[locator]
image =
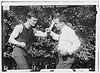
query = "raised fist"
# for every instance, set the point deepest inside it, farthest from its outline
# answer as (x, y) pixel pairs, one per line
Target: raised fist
(48, 30)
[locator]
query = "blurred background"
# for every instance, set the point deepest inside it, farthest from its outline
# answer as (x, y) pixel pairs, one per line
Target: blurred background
(43, 51)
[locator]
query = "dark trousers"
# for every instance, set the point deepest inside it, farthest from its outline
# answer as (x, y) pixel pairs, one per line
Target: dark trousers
(65, 62)
(21, 58)
(21, 62)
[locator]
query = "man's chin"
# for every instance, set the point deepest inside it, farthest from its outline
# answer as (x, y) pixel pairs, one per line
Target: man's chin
(32, 26)
(58, 29)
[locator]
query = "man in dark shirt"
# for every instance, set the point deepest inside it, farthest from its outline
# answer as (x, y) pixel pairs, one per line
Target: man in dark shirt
(20, 37)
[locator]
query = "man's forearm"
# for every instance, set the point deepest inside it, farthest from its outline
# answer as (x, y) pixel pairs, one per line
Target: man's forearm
(54, 35)
(13, 41)
(41, 34)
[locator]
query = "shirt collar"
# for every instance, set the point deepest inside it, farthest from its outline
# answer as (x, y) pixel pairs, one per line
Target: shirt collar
(64, 28)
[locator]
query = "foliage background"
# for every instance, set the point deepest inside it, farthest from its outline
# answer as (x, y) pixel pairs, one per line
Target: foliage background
(43, 51)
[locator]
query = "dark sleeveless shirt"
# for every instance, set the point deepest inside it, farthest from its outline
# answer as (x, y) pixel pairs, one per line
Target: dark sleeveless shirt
(25, 35)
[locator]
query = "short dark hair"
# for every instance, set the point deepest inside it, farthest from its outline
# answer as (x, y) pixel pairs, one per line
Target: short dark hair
(32, 14)
(62, 18)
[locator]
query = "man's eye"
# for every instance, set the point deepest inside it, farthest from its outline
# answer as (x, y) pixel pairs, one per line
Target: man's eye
(34, 20)
(55, 23)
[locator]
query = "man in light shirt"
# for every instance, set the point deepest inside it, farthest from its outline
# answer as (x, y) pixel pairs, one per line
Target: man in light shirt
(68, 42)
(21, 37)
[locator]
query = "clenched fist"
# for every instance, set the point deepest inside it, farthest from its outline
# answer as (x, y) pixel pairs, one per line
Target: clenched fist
(23, 44)
(48, 30)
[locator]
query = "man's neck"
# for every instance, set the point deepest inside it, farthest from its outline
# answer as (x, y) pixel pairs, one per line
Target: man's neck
(62, 27)
(27, 25)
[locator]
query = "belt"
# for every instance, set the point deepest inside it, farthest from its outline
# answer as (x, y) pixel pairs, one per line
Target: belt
(25, 48)
(64, 57)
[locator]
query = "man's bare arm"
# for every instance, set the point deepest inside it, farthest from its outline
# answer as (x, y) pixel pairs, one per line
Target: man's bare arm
(39, 33)
(14, 34)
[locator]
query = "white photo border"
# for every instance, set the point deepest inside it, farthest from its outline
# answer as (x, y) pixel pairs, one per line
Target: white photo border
(69, 2)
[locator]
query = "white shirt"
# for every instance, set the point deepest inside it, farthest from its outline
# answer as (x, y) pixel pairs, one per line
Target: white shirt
(68, 41)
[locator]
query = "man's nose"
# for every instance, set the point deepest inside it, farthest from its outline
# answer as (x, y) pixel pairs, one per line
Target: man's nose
(55, 25)
(35, 22)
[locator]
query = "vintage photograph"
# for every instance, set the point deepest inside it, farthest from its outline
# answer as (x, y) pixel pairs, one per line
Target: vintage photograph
(40, 37)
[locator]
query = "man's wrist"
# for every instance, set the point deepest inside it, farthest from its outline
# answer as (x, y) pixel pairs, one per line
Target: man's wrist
(48, 33)
(51, 33)
(18, 44)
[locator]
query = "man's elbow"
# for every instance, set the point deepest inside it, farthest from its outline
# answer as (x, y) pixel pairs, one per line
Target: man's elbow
(10, 40)
(77, 43)
(55, 38)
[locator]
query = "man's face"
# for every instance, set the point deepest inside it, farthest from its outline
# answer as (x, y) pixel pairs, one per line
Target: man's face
(32, 21)
(58, 24)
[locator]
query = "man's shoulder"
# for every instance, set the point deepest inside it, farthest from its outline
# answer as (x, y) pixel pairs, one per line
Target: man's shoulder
(19, 26)
(66, 29)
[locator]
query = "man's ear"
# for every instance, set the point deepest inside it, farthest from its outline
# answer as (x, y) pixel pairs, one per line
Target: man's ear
(62, 23)
(28, 19)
